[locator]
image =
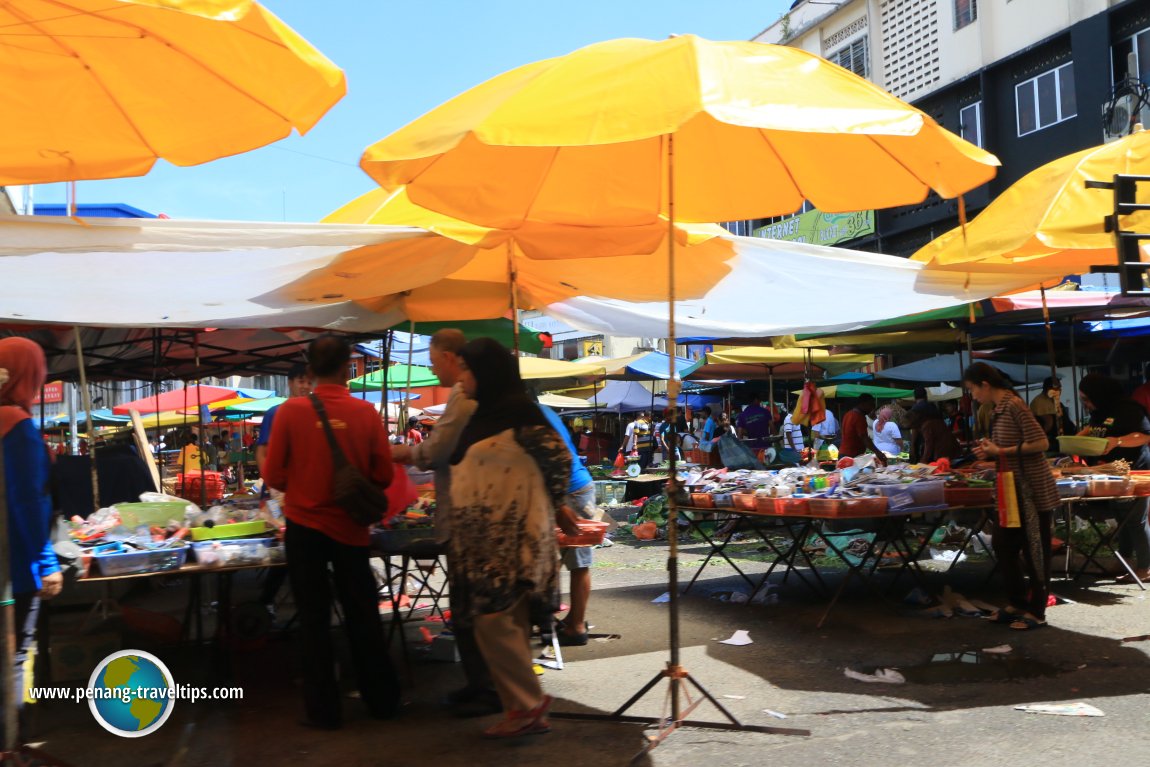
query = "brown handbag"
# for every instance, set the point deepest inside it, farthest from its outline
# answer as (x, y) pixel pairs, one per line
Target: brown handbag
(356, 494)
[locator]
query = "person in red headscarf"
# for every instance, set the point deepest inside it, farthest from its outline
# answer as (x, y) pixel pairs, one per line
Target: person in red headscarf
(33, 568)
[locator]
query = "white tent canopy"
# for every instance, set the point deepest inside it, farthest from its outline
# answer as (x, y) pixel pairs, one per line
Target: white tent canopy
(778, 288)
(154, 273)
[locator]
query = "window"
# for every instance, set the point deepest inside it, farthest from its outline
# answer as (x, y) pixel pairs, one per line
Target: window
(1139, 46)
(853, 57)
(970, 123)
(965, 12)
(1045, 100)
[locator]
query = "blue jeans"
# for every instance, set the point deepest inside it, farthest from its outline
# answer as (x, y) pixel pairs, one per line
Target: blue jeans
(1134, 533)
(27, 611)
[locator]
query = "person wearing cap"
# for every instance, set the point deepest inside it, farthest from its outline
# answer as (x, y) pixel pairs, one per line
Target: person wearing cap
(1047, 408)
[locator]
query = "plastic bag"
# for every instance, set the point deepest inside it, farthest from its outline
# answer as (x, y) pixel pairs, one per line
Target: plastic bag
(737, 455)
(401, 493)
(645, 531)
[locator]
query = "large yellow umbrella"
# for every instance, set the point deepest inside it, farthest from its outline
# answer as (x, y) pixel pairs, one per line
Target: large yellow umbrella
(583, 139)
(631, 132)
(1048, 223)
(103, 88)
(531, 266)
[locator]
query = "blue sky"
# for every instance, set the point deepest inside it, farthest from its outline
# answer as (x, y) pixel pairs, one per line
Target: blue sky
(401, 59)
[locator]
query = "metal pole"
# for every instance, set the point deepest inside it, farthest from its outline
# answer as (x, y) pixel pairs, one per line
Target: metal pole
(1074, 377)
(513, 279)
(87, 401)
(1049, 335)
(674, 670)
(7, 615)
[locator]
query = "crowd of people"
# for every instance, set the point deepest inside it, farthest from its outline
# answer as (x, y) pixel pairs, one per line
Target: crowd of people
(504, 560)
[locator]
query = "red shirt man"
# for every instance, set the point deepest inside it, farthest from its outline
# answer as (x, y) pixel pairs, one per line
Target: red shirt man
(299, 459)
(856, 437)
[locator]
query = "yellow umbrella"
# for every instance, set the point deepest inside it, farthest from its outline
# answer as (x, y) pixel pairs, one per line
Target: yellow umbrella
(631, 132)
(582, 140)
(102, 88)
(547, 262)
(767, 355)
(1048, 223)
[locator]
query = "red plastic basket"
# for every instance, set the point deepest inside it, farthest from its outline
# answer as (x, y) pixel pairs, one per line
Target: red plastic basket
(744, 501)
(590, 534)
(188, 485)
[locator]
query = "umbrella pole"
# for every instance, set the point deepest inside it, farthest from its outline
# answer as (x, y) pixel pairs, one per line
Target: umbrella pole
(513, 281)
(674, 672)
(386, 409)
(87, 401)
(1074, 377)
(407, 392)
(1049, 345)
(7, 617)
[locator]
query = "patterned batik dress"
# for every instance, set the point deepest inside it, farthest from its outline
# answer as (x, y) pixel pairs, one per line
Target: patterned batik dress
(504, 494)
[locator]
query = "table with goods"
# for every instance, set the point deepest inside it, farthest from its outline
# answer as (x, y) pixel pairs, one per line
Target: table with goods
(884, 519)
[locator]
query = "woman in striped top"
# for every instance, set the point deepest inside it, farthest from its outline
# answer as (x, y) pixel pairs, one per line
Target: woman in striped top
(1018, 442)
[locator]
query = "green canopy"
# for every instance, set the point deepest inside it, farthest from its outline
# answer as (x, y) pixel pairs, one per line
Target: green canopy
(851, 391)
(255, 407)
(397, 378)
(502, 330)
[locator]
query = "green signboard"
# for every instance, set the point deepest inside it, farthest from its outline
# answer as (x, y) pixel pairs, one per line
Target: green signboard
(820, 228)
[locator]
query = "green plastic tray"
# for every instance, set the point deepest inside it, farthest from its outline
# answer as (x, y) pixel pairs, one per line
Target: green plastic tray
(237, 530)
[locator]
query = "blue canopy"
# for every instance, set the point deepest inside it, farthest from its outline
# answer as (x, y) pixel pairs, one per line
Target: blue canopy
(650, 366)
(854, 377)
(949, 367)
(626, 397)
(102, 417)
(377, 396)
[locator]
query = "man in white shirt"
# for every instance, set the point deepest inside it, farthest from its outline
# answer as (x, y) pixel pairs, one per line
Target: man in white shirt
(792, 434)
(478, 697)
(825, 431)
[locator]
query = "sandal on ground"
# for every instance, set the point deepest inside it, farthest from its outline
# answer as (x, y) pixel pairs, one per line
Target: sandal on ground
(1027, 623)
(1142, 575)
(516, 724)
(1004, 616)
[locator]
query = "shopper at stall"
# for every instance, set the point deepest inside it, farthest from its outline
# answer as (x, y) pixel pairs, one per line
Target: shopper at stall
(577, 559)
(191, 457)
(1047, 408)
(325, 547)
(642, 439)
(825, 432)
(856, 435)
(754, 423)
(1126, 428)
(413, 436)
(477, 697)
(300, 384)
(887, 436)
(938, 439)
(32, 567)
(503, 545)
(1017, 442)
(793, 438)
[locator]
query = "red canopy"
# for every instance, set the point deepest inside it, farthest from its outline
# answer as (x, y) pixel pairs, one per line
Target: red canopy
(190, 397)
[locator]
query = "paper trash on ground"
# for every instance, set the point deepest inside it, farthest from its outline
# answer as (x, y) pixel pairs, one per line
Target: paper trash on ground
(775, 714)
(662, 598)
(738, 639)
(883, 675)
(1061, 709)
(1001, 649)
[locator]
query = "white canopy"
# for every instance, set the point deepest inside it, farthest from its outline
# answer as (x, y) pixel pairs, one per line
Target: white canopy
(151, 273)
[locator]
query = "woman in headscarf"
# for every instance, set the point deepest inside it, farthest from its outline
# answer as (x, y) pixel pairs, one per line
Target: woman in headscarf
(1017, 442)
(887, 436)
(510, 474)
(34, 570)
(1126, 428)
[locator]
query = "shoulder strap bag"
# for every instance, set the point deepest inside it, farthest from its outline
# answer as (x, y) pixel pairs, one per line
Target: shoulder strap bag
(364, 502)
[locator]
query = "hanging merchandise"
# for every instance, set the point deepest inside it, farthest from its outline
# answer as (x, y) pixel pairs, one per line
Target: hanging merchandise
(812, 407)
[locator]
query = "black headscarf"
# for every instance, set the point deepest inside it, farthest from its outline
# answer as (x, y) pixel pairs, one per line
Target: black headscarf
(501, 398)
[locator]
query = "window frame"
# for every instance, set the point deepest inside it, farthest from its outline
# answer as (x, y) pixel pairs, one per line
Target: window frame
(972, 14)
(977, 106)
(862, 40)
(1031, 84)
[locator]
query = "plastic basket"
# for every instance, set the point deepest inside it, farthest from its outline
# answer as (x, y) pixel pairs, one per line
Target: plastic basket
(395, 540)
(969, 496)
(189, 485)
(744, 502)
(133, 515)
(131, 562)
(591, 533)
(1107, 487)
(912, 494)
(702, 500)
(247, 551)
(1089, 446)
(791, 506)
(236, 530)
(1071, 488)
(848, 507)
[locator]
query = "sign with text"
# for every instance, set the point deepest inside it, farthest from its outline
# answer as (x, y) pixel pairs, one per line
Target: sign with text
(818, 228)
(53, 394)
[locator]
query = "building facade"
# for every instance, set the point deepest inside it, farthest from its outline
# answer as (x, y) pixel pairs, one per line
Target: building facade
(1028, 80)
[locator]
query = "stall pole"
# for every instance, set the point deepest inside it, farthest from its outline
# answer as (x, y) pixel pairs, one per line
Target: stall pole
(1074, 377)
(159, 457)
(513, 281)
(7, 616)
(675, 673)
(87, 401)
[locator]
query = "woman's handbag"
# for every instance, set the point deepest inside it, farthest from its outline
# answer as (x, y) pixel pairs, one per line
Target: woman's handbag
(356, 494)
(1008, 509)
